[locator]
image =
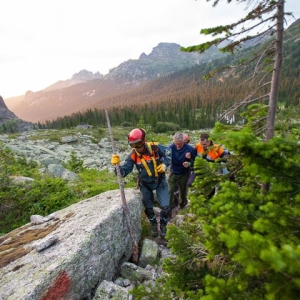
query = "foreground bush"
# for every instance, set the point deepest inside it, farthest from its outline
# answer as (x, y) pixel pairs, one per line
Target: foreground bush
(244, 242)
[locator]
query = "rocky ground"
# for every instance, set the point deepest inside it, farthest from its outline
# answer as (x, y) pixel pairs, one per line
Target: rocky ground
(51, 155)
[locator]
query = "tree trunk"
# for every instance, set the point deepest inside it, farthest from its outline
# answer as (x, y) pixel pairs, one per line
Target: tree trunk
(276, 71)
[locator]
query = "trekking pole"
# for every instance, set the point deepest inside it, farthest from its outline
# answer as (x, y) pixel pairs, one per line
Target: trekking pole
(124, 204)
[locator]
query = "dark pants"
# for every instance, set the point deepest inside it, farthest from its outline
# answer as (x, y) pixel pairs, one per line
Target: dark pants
(179, 180)
(162, 194)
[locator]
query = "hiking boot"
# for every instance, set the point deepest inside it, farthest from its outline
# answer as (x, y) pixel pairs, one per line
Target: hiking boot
(176, 199)
(163, 230)
(173, 204)
(183, 204)
(154, 231)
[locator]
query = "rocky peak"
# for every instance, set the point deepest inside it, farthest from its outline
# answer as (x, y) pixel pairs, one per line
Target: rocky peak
(11, 121)
(165, 48)
(80, 77)
(143, 56)
(5, 113)
(164, 59)
(2, 103)
(85, 75)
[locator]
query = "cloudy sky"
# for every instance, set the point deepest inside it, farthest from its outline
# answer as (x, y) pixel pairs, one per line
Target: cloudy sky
(44, 41)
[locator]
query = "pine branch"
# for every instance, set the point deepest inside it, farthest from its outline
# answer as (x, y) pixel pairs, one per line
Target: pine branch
(247, 100)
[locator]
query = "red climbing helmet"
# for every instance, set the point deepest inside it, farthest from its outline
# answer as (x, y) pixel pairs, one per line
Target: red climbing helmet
(186, 138)
(136, 137)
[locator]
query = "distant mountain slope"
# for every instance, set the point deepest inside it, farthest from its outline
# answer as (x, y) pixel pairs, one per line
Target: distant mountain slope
(48, 105)
(80, 77)
(9, 122)
(65, 97)
(165, 58)
(188, 84)
(5, 113)
(161, 75)
(13, 102)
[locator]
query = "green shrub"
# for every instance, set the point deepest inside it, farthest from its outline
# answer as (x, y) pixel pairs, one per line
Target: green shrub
(94, 182)
(74, 164)
(42, 196)
(243, 243)
(126, 124)
(165, 127)
(45, 194)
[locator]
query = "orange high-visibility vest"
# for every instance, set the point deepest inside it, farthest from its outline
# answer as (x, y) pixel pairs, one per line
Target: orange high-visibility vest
(213, 152)
(144, 159)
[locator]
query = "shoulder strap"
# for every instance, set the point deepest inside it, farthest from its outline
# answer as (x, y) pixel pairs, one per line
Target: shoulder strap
(150, 148)
(148, 145)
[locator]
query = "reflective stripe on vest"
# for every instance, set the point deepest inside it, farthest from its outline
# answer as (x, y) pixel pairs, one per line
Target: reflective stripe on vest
(213, 152)
(145, 163)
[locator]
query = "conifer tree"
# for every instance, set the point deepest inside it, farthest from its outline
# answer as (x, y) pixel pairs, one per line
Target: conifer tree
(241, 243)
(269, 13)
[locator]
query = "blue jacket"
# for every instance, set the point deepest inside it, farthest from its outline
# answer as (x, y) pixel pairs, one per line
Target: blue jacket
(161, 153)
(178, 158)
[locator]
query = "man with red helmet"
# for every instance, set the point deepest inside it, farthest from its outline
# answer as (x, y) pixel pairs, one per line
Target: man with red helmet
(186, 138)
(151, 161)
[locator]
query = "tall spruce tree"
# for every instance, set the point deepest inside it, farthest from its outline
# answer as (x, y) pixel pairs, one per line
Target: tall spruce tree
(241, 243)
(265, 18)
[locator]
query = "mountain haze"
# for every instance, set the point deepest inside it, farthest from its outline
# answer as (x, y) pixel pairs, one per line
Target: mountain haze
(81, 77)
(87, 90)
(166, 74)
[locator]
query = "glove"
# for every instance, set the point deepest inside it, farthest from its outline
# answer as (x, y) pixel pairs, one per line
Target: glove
(161, 168)
(115, 159)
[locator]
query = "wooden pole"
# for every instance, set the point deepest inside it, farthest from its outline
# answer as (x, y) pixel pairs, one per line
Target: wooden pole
(123, 198)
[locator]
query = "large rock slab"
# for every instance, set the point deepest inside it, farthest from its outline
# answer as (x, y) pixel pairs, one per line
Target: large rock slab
(88, 241)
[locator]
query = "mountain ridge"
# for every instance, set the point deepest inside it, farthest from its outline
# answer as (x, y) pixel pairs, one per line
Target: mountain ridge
(123, 84)
(73, 95)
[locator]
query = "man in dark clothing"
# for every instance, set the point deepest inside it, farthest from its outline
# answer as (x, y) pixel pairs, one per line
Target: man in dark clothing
(151, 161)
(176, 193)
(183, 156)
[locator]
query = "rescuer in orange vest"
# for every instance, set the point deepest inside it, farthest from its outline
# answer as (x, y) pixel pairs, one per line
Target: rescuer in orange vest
(151, 161)
(209, 151)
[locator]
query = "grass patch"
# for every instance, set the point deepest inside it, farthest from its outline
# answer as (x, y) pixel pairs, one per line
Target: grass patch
(46, 194)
